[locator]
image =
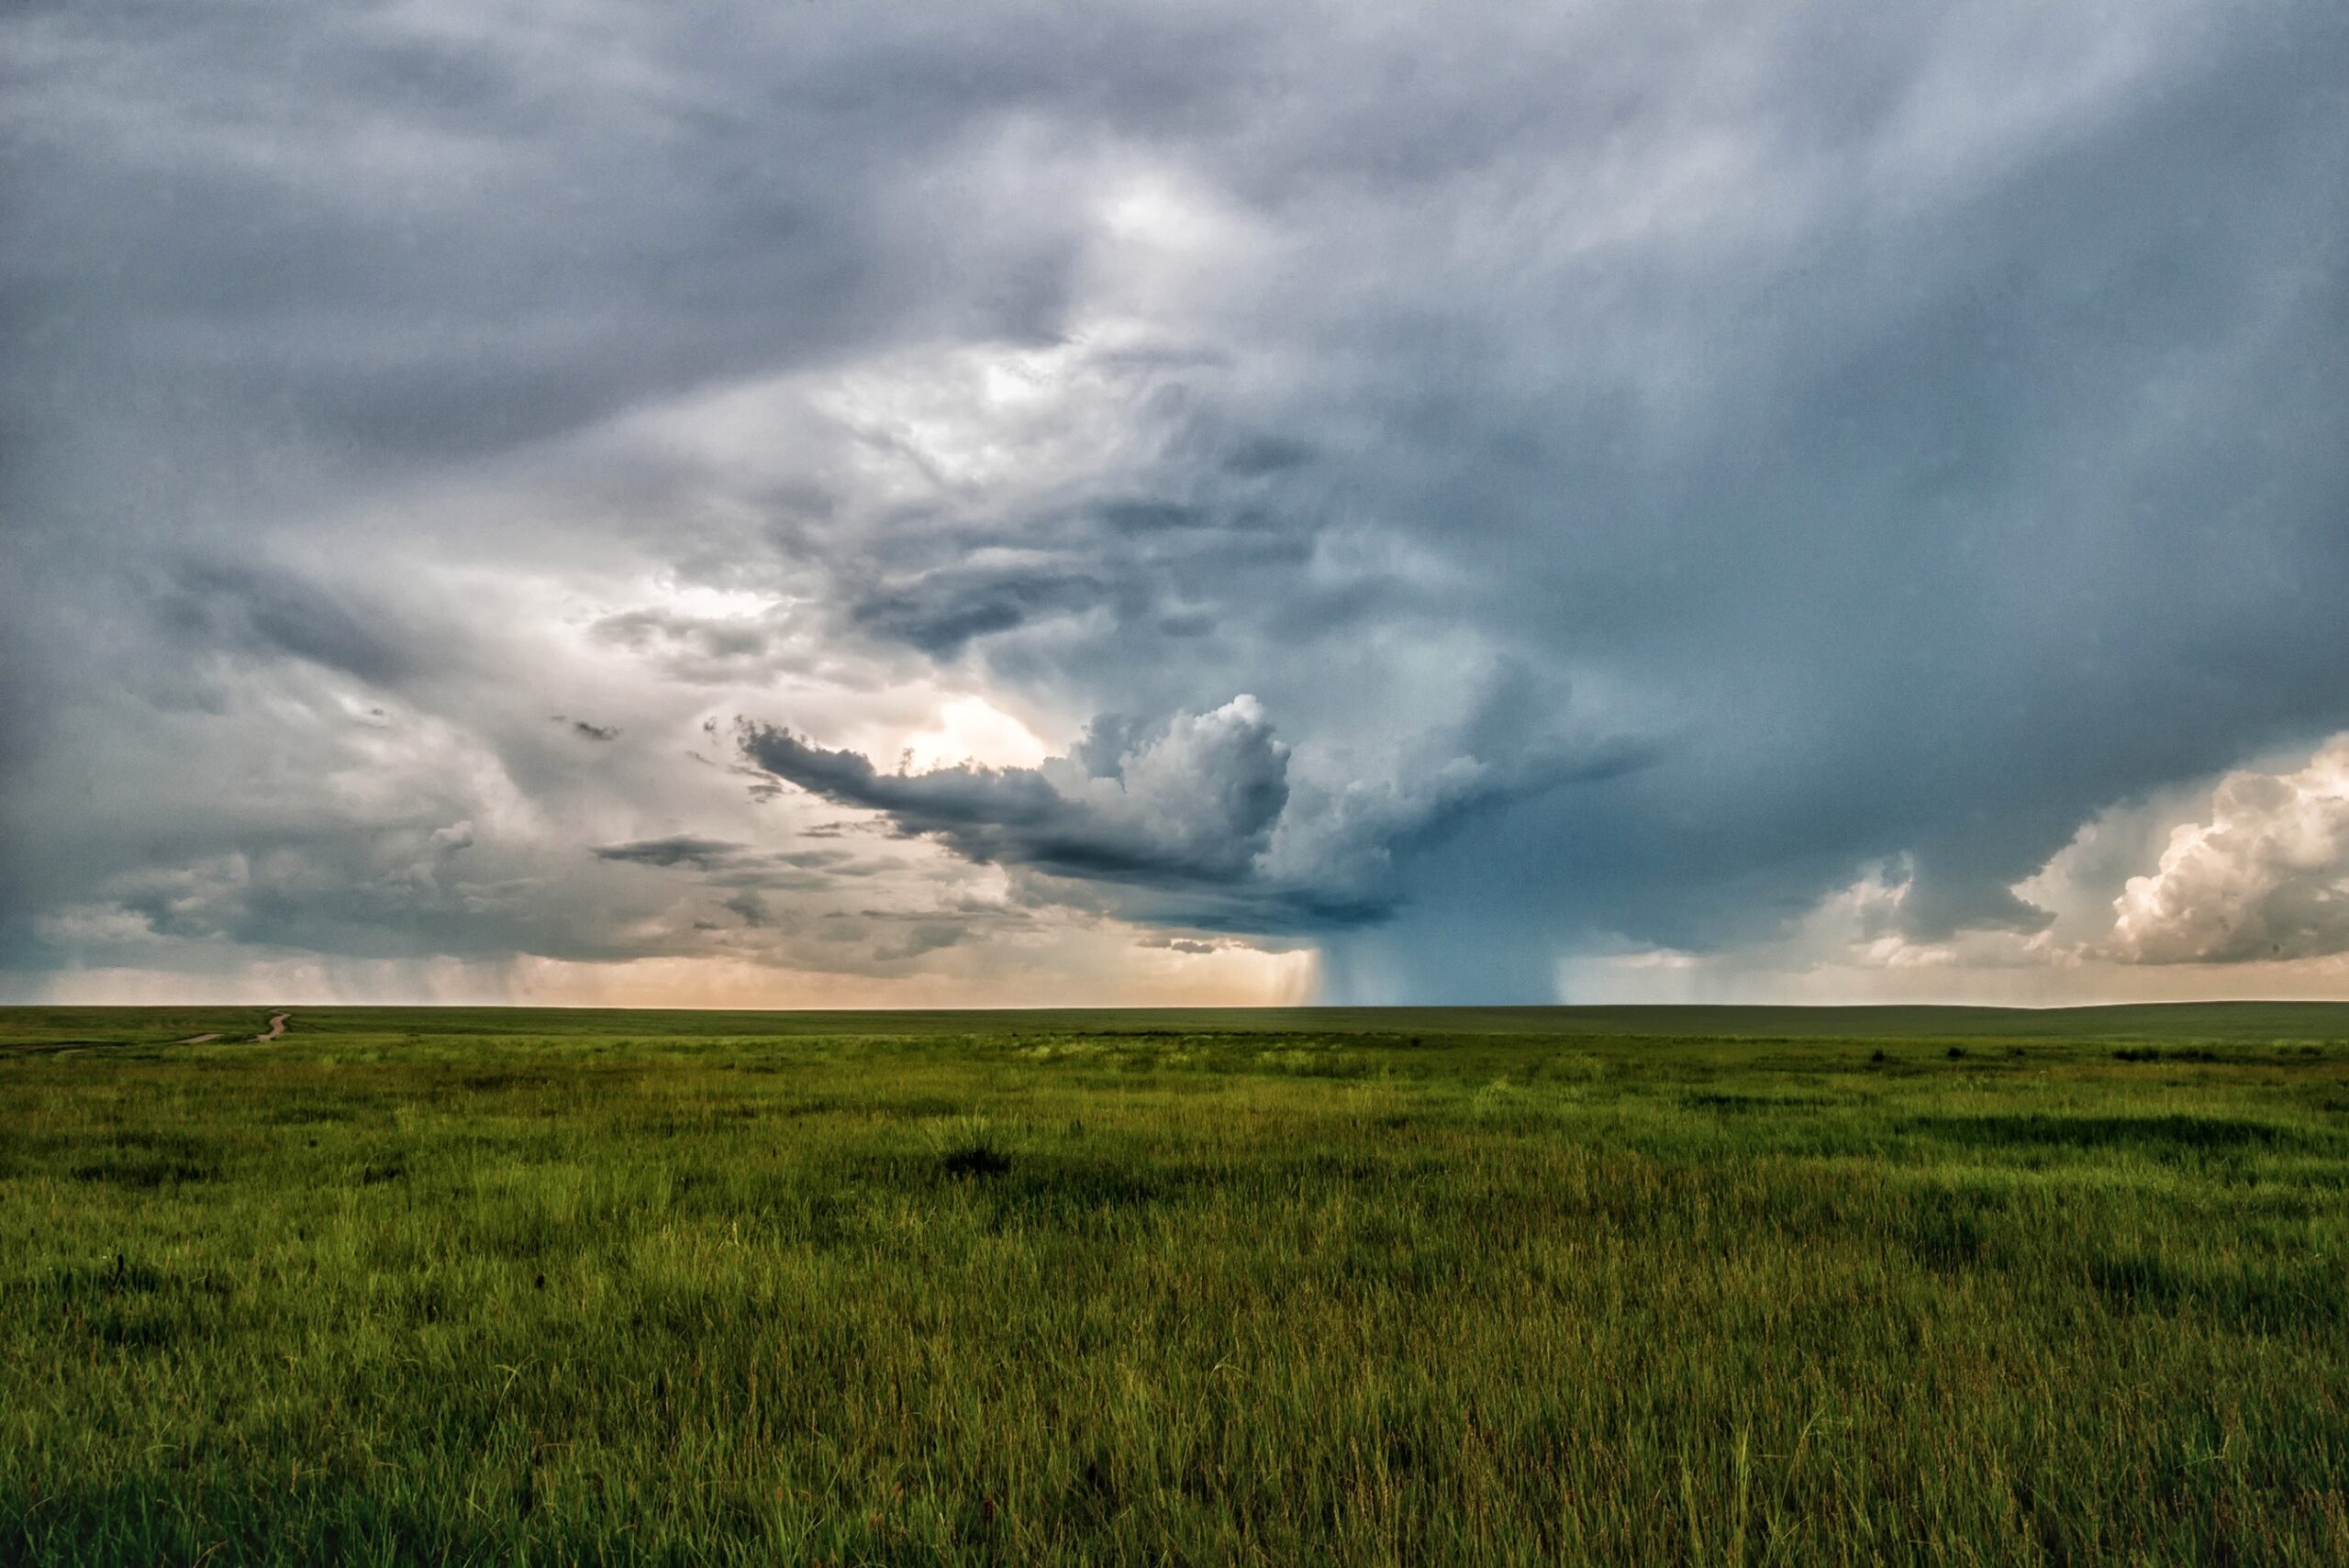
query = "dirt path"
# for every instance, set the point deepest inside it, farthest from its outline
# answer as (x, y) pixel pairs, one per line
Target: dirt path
(67, 1047)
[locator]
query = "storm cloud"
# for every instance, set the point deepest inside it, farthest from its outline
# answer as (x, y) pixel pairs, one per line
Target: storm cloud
(1199, 809)
(1680, 486)
(1196, 802)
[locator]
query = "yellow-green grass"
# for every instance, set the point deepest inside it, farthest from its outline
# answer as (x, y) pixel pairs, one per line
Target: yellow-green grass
(1508, 1286)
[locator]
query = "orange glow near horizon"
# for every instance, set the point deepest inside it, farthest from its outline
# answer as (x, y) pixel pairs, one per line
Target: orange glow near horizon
(1228, 975)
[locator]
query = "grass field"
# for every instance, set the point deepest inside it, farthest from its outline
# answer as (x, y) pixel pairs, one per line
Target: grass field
(1670, 1285)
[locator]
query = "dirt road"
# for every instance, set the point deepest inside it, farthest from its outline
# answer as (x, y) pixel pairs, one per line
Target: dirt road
(276, 1026)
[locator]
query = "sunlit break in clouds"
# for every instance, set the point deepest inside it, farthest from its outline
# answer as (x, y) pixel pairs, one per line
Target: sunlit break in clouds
(842, 505)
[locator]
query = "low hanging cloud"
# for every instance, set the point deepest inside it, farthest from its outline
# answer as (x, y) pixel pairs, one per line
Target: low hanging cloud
(1194, 802)
(680, 849)
(725, 864)
(1201, 810)
(2265, 875)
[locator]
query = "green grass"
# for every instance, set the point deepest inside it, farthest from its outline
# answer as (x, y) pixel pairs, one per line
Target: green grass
(1506, 1286)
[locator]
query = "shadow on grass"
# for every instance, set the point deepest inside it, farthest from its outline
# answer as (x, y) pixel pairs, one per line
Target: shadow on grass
(2256, 1296)
(1947, 1231)
(2151, 1134)
(1031, 1187)
(147, 1160)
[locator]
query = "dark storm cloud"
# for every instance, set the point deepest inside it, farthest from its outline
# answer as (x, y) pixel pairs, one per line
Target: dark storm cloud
(1181, 945)
(1198, 811)
(1196, 801)
(452, 232)
(1105, 562)
(750, 909)
(269, 613)
(682, 849)
(939, 612)
(695, 648)
(1655, 462)
(742, 866)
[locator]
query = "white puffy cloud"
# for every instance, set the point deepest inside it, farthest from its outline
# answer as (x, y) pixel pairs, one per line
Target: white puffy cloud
(2238, 886)
(2265, 874)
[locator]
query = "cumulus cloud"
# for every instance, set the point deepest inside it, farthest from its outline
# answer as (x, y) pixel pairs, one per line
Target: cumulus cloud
(2249, 872)
(2264, 875)
(1198, 808)
(1208, 811)
(1194, 802)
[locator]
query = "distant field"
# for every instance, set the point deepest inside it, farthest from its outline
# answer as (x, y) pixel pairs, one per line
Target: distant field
(1345, 1286)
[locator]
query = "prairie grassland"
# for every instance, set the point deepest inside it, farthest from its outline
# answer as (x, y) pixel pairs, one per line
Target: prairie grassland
(1669, 1285)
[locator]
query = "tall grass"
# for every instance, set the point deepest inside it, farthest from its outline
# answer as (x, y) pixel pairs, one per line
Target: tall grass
(409, 1288)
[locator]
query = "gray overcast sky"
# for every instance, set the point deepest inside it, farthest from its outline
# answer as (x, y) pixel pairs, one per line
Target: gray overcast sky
(857, 503)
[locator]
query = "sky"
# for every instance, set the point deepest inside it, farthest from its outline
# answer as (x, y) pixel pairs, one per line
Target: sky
(874, 504)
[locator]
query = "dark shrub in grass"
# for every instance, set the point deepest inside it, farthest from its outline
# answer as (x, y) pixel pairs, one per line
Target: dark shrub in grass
(975, 1159)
